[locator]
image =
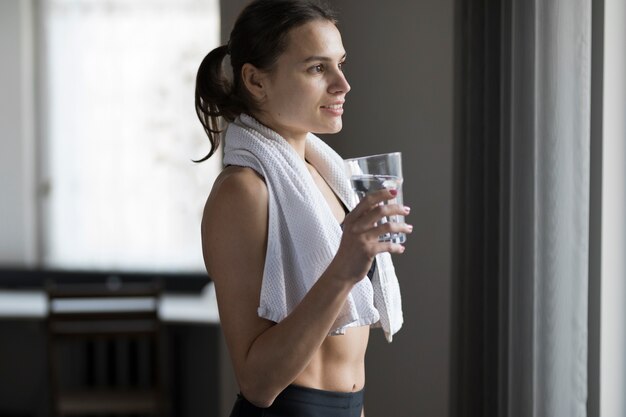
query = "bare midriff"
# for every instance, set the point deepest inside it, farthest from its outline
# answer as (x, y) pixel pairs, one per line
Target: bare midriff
(339, 364)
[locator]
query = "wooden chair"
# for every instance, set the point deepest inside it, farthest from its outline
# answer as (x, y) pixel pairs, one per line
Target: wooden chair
(105, 350)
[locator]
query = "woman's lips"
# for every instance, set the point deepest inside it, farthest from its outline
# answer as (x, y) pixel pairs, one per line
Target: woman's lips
(335, 109)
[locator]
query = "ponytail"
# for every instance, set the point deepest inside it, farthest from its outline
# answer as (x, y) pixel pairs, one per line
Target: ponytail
(215, 102)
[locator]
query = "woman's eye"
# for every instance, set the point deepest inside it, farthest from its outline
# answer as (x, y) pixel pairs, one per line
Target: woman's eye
(319, 68)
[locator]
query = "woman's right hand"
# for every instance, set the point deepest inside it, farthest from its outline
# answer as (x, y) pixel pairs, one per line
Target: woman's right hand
(361, 230)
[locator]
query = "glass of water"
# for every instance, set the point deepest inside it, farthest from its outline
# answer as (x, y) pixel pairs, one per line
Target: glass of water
(375, 172)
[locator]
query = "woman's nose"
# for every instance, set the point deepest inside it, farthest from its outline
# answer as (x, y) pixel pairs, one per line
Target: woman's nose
(339, 84)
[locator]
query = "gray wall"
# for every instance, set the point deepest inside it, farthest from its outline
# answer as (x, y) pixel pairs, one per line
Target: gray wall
(401, 71)
(400, 67)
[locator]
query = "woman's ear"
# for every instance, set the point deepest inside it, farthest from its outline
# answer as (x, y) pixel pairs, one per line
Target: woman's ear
(254, 80)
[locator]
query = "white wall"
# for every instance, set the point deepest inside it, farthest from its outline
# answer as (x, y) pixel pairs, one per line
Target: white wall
(18, 243)
(613, 263)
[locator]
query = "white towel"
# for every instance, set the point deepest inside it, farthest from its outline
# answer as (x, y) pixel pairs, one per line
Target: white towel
(303, 234)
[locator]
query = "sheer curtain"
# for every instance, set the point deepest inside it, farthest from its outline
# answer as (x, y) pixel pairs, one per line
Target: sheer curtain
(522, 259)
(547, 222)
(120, 131)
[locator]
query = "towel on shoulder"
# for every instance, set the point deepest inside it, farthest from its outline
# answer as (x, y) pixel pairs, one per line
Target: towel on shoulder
(303, 234)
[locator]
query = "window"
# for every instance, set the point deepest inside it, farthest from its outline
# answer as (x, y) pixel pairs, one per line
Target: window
(119, 132)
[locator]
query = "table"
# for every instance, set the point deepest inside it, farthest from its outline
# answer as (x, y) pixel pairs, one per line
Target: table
(174, 308)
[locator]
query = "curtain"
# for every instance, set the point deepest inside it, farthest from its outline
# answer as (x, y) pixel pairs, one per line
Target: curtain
(523, 208)
(548, 142)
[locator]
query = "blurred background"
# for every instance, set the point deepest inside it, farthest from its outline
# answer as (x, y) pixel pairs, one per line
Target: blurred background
(510, 118)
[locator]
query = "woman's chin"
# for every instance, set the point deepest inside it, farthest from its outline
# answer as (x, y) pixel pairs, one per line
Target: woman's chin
(331, 128)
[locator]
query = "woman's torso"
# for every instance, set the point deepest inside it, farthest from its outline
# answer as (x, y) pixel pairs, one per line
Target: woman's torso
(339, 364)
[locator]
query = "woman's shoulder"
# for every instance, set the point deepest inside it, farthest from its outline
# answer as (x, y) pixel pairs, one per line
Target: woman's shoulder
(238, 180)
(238, 192)
(235, 216)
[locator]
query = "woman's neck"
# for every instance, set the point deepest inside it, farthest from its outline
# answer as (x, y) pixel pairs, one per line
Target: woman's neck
(297, 142)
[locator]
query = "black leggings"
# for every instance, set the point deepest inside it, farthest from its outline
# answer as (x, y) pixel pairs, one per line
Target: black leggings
(304, 402)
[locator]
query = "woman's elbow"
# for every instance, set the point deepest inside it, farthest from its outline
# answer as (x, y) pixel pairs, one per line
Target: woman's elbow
(258, 394)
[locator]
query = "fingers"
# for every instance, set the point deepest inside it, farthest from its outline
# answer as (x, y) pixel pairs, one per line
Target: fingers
(371, 208)
(373, 199)
(378, 212)
(390, 247)
(390, 227)
(373, 231)
(387, 229)
(370, 220)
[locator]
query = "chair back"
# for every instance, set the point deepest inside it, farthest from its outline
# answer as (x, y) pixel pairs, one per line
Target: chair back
(115, 329)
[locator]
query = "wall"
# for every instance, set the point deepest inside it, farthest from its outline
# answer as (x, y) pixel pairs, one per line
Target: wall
(613, 228)
(17, 159)
(400, 66)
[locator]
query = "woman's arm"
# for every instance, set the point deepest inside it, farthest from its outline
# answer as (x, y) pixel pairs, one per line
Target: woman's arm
(268, 356)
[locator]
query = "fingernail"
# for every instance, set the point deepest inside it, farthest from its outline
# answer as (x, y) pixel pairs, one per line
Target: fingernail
(407, 209)
(393, 192)
(410, 226)
(402, 249)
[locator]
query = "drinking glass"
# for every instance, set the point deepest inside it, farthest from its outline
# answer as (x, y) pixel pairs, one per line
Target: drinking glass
(375, 172)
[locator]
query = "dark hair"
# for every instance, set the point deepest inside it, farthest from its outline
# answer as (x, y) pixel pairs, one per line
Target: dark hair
(259, 37)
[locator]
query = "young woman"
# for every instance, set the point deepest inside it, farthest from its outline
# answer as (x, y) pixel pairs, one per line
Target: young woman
(287, 249)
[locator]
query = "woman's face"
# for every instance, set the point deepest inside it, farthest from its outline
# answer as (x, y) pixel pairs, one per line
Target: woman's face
(307, 88)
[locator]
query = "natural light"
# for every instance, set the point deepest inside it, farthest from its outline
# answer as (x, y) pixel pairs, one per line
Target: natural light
(120, 132)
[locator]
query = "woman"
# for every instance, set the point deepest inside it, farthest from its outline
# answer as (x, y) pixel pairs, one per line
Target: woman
(289, 265)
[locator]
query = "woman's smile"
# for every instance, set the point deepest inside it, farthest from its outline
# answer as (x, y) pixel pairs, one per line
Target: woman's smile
(335, 109)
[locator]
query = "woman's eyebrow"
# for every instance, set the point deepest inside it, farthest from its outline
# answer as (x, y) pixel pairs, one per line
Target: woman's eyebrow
(321, 58)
